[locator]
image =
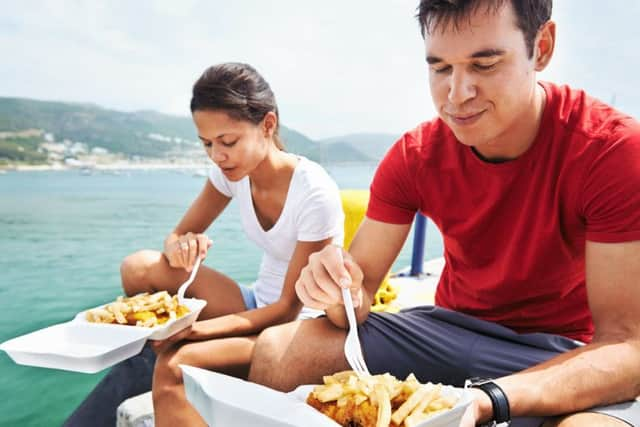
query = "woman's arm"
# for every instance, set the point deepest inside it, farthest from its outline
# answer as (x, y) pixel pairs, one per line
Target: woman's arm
(252, 322)
(202, 212)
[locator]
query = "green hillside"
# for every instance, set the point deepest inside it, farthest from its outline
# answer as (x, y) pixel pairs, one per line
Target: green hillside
(373, 146)
(119, 132)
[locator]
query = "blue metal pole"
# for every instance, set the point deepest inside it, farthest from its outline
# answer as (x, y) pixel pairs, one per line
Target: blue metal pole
(419, 233)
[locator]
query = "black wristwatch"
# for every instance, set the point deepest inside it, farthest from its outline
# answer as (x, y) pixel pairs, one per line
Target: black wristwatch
(499, 401)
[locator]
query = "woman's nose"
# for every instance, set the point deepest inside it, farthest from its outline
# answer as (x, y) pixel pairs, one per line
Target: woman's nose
(217, 156)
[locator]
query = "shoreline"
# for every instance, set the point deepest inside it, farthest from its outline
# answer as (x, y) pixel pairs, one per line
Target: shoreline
(129, 166)
(105, 167)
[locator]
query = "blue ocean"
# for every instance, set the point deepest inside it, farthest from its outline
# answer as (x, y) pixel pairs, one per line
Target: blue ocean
(63, 235)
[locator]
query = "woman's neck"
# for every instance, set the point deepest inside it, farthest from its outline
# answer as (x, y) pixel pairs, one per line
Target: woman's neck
(276, 168)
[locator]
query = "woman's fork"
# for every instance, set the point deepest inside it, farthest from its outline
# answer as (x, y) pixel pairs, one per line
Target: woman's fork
(183, 288)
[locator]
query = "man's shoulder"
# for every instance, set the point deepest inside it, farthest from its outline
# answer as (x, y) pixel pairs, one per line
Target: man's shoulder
(587, 116)
(425, 137)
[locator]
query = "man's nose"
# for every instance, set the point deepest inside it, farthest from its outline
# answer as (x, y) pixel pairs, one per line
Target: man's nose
(461, 87)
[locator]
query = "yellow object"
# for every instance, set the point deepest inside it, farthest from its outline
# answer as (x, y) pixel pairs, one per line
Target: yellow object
(354, 205)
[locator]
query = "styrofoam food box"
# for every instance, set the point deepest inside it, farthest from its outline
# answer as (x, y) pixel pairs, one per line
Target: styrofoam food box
(165, 330)
(81, 346)
(223, 400)
(76, 347)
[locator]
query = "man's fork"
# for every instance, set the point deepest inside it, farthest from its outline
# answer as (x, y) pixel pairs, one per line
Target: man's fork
(352, 349)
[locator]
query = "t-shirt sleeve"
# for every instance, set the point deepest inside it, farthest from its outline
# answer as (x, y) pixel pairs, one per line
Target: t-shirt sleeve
(392, 192)
(611, 197)
(219, 181)
(321, 216)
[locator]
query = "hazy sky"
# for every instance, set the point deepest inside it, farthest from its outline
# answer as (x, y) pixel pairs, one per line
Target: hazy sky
(336, 66)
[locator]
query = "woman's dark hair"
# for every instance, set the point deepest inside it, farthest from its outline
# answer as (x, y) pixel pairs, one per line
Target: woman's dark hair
(238, 90)
(531, 14)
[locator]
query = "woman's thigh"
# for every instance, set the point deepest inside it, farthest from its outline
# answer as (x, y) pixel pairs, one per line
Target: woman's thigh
(222, 293)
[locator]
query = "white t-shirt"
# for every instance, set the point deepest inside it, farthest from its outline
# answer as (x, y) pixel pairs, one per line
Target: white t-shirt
(312, 212)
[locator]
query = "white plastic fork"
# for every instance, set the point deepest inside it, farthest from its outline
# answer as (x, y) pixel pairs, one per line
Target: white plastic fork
(183, 288)
(352, 348)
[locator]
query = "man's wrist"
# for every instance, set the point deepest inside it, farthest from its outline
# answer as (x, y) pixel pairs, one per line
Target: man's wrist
(483, 403)
(494, 405)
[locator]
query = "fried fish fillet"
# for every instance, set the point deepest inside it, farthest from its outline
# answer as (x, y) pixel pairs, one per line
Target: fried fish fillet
(351, 414)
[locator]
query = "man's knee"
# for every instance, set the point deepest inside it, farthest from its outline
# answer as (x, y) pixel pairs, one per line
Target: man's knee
(134, 272)
(585, 419)
(267, 354)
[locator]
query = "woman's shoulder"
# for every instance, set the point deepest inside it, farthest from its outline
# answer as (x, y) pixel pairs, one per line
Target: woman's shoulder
(310, 176)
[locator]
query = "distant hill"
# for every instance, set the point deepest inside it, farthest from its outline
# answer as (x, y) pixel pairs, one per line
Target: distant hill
(116, 131)
(373, 146)
(148, 133)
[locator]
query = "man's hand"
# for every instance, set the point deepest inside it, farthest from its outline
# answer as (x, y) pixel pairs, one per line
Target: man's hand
(329, 271)
(478, 411)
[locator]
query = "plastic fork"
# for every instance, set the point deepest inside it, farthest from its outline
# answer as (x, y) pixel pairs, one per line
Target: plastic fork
(183, 288)
(352, 348)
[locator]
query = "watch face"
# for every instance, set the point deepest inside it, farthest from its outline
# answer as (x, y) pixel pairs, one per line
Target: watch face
(476, 381)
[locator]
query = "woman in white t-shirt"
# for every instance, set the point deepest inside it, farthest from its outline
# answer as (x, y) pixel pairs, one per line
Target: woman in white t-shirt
(289, 207)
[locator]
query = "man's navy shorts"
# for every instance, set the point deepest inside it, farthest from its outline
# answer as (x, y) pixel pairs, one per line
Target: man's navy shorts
(441, 345)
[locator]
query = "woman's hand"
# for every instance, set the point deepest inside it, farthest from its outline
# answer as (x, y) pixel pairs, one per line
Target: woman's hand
(200, 330)
(182, 251)
(159, 346)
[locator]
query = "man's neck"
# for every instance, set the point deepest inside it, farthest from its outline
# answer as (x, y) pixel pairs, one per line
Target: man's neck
(517, 139)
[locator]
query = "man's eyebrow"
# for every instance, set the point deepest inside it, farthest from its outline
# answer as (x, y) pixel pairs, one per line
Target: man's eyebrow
(488, 53)
(485, 53)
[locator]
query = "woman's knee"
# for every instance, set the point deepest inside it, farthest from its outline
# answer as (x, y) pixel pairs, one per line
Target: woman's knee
(167, 372)
(134, 271)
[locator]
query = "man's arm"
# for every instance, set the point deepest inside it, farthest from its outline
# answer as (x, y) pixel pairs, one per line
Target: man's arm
(372, 251)
(608, 369)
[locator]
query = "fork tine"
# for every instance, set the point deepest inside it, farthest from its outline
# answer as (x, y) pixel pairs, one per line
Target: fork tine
(362, 365)
(355, 360)
(352, 358)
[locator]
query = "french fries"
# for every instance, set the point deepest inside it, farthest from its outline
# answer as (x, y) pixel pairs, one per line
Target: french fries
(146, 310)
(378, 400)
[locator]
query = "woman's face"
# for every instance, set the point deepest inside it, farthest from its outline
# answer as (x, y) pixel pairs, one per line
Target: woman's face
(236, 146)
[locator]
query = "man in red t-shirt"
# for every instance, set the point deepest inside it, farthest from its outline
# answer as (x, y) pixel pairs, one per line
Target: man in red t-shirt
(535, 188)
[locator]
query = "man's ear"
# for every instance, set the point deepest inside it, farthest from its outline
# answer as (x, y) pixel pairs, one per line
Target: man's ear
(544, 45)
(269, 124)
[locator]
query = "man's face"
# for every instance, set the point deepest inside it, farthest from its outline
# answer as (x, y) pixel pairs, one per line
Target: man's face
(482, 80)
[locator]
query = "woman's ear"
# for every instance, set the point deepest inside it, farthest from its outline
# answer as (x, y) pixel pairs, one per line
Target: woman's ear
(544, 45)
(269, 124)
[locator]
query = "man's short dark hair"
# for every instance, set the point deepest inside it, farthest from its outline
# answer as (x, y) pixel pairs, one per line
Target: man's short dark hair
(531, 14)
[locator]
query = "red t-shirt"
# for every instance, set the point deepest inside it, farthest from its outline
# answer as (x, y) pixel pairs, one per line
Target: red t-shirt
(514, 232)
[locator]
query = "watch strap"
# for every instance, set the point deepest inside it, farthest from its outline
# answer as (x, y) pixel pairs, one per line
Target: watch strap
(499, 400)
